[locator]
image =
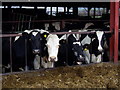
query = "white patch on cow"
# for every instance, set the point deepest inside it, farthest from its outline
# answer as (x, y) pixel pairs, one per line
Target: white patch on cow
(28, 31)
(42, 31)
(65, 36)
(52, 45)
(86, 40)
(36, 62)
(34, 33)
(77, 43)
(17, 37)
(99, 36)
(76, 36)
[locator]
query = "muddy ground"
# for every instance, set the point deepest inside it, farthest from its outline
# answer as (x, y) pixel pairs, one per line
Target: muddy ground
(102, 75)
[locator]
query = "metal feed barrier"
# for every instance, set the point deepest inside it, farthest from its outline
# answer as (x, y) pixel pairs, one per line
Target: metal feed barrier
(60, 33)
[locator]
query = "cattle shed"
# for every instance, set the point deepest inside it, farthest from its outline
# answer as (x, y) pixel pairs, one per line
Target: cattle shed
(15, 18)
(61, 18)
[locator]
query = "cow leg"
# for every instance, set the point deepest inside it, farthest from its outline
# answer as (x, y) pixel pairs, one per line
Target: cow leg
(43, 62)
(99, 58)
(87, 56)
(94, 58)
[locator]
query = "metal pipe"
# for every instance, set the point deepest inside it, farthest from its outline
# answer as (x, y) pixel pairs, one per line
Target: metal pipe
(19, 23)
(29, 22)
(11, 54)
(112, 22)
(25, 54)
(22, 22)
(116, 31)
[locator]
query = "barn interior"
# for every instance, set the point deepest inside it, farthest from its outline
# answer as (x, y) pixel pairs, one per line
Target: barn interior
(19, 16)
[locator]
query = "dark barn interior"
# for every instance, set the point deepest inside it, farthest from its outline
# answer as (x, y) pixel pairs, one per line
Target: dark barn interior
(19, 19)
(58, 18)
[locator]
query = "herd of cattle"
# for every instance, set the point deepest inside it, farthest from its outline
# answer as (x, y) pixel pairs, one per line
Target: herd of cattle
(39, 48)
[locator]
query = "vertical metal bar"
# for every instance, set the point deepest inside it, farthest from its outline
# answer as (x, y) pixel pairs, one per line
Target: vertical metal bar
(94, 12)
(11, 54)
(116, 31)
(22, 22)
(19, 22)
(66, 50)
(112, 15)
(29, 22)
(25, 54)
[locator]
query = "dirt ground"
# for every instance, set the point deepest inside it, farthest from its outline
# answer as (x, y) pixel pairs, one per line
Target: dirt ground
(102, 75)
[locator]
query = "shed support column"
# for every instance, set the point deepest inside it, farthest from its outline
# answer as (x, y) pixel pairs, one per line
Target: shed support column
(116, 31)
(114, 25)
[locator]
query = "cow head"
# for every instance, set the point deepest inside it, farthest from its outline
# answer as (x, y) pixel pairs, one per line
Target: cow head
(35, 41)
(52, 47)
(78, 52)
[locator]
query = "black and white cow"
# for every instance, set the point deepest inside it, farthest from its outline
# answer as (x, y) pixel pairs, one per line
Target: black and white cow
(23, 55)
(25, 48)
(70, 51)
(94, 46)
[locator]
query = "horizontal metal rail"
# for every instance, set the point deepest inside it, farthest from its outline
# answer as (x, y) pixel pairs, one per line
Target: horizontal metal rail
(87, 32)
(9, 35)
(66, 20)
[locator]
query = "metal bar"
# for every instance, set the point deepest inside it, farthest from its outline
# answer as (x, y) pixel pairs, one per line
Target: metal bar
(22, 22)
(13, 35)
(11, 54)
(19, 23)
(66, 20)
(25, 54)
(66, 51)
(29, 22)
(112, 22)
(10, 35)
(116, 31)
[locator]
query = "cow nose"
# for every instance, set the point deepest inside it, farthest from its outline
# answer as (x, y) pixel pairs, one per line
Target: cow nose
(52, 58)
(100, 49)
(81, 58)
(36, 51)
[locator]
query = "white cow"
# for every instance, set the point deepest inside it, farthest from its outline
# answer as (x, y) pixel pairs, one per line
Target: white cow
(52, 46)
